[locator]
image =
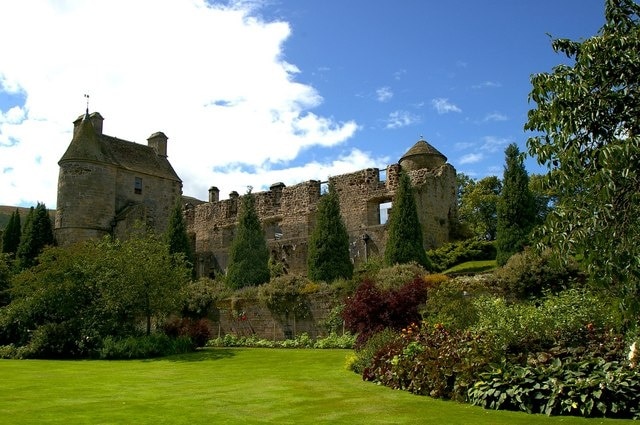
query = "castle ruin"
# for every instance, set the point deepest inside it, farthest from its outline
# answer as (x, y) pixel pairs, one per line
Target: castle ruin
(106, 184)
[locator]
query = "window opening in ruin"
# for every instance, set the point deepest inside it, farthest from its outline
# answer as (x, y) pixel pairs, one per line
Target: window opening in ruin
(137, 186)
(382, 175)
(324, 188)
(385, 209)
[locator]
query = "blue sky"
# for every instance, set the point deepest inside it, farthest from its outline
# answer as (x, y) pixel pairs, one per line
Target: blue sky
(255, 92)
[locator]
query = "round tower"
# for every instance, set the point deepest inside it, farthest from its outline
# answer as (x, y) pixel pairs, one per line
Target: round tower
(422, 155)
(86, 185)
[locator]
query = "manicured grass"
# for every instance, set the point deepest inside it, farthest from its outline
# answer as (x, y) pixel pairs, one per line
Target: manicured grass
(473, 267)
(224, 386)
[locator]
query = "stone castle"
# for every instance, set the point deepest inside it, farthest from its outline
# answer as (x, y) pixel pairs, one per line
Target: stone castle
(107, 184)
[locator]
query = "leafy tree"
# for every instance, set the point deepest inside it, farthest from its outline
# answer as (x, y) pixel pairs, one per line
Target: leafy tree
(248, 254)
(11, 234)
(587, 120)
(5, 276)
(177, 237)
(328, 256)
(404, 241)
(36, 234)
(142, 278)
(516, 207)
(477, 207)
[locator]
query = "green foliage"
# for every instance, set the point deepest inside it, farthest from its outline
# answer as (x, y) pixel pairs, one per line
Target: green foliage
(248, 254)
(6, 267)
(516, 207)
(453, 253)
(11, 234)
(328, 253)
(431, 360)
(450, 304)
(477, 205)
(565, 319)
(587, 125)
(76, 296)
(176, 234)
(333, 340)
(530, 274)
(404, 240)
(398, 275)
(590, 387)
(365, 354)
(37, 233)
(144, 347)
(200, 297)
(284, 296)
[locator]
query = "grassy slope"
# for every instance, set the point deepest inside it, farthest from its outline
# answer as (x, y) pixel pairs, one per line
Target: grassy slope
(224, 386)
(6, 211)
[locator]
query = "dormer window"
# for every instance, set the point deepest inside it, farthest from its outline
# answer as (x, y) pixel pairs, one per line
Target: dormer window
(137, 186)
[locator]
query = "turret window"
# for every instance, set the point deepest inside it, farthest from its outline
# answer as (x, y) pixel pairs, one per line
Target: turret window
(137, 186)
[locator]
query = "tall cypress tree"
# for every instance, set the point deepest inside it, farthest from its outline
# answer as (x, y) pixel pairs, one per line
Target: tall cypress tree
(248, 254)
(177, 237)
(516, 207)
(36, 234)
(404, 240)
(11, 235)
(328, 256)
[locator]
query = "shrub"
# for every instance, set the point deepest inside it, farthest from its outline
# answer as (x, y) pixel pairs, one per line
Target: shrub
(364, 355)
(394, 277)
(371, 309)
(529, 275)
(431, 360)
(198, 330)
(591, 387)
(450, 303)
(284, 296)
(564, 319)
(142, 347)
(453, 253)
(201, 296)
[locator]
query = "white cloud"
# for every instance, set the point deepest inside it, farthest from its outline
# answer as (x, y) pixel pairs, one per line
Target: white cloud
(213, 78)
(471, 158)
(383, 94)
(494, 144)
(398, 119)
(487, 84)
(494, 116)
(443, 106)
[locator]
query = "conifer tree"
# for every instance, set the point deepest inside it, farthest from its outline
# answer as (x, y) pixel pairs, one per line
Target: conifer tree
(11, 234)
(516, 207)
(328, 256)
(177, 237)
(36, 234)
(404, 241)
(248, 254)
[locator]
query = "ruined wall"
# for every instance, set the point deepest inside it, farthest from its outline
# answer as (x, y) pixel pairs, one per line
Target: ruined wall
(251, 318)
(288, 216)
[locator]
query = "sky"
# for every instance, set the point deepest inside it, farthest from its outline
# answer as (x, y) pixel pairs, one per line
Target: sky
(254, 92)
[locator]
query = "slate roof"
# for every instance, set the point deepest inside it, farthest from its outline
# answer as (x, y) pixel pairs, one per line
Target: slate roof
(422, 147)
(88, 145)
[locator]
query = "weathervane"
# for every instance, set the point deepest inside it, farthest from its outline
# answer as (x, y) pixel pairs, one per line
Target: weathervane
(86, 96)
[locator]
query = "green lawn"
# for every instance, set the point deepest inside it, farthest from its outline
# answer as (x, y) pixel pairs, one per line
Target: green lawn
(473, 267)
(224, 386)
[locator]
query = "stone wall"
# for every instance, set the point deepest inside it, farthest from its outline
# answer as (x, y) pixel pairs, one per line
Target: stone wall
(251, 318)
(288, 215)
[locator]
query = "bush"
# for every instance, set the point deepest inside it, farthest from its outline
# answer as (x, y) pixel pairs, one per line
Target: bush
(529, 275)
(198, 330)
(565, 319)
(285, 296)
(142, 347)
(431, 360)
(364, 355)
(396, 276)
(372, 309)
(450, 303)
(201, 296)
(450, 254)
(301, 341)
(591, 387)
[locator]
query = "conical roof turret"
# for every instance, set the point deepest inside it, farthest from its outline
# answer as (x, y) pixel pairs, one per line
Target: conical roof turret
(422, 155)
(86, 143)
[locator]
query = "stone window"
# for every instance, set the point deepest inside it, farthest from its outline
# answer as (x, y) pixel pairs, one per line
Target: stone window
(384, 209)
(137, 186)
